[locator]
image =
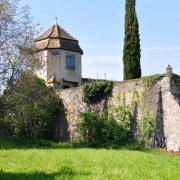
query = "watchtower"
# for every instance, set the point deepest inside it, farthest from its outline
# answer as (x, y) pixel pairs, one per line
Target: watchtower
(59, 56)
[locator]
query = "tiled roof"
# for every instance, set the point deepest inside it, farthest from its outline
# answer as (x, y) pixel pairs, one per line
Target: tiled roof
(57, 38)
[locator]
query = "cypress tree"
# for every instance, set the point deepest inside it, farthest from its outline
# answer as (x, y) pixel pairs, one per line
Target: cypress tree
(132, 51)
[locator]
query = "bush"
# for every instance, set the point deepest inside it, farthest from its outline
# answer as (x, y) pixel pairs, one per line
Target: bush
(95, 91)
(30, 108)
(102, 131)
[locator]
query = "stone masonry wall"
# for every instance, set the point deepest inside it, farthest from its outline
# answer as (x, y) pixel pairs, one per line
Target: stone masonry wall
(162, 100)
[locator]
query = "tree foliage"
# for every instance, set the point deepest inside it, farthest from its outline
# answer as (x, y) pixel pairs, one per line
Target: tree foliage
(132, 51)
(30, 107)
(17, 33)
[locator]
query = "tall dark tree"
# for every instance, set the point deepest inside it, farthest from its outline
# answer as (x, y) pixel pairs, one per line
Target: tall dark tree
(132, 51)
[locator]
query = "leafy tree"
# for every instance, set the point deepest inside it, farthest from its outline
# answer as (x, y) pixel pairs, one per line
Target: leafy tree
(32, 107)
(132, 51)
(17, 33)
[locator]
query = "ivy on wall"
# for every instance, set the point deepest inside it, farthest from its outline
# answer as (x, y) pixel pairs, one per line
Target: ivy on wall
(124, 113)
(95, 91)
(147, 128)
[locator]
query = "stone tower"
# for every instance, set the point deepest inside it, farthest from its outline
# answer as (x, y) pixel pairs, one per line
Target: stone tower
(59, 58)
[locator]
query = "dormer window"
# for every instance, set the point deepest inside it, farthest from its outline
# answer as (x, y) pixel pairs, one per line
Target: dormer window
(70, 61)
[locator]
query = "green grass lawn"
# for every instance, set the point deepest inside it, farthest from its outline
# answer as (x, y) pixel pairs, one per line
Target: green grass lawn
(63, 162)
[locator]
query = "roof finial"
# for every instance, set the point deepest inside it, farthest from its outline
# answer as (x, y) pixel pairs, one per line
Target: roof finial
(56, 19)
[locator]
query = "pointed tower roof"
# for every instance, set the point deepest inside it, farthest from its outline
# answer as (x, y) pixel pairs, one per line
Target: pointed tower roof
(57, 38)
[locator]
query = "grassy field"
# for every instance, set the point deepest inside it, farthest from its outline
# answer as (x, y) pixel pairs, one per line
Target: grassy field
(61, 161)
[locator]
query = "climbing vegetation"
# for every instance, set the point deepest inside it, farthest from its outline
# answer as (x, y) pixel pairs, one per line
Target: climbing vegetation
(122, 112)
(149, 81)
(147, 128)
(95, 91)
(111, 128)
(115, 126)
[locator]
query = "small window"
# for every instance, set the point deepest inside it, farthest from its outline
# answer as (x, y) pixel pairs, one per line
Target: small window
(70, 61)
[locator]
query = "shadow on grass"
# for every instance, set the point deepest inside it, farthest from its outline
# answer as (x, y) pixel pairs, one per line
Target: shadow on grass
(65, 172)
(21, 143)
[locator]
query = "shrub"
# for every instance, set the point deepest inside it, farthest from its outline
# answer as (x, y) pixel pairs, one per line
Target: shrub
(31, 108)
(102, 131)
(95, 91)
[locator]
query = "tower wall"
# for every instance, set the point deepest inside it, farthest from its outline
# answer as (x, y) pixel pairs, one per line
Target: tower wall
(52, 63)
(41, 69)
(69, 74)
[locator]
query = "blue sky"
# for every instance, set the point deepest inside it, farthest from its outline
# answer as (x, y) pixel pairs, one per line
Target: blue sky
(99, 27)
